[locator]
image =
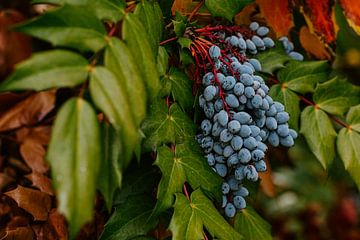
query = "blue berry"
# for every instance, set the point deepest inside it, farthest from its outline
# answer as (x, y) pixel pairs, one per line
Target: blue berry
(224, 201)
(271, 123)
(257, 41)
(236, 143)
(255, 131)
(249, 92)
(296, 56)
(232, 101)
(242, 192)
(206, 127)
(214, 52)
(256, 64)
(244, 155)
(243, 117)
(230, 210)
(216, 129)
(238, 89)
(223, 118)
(260, 166)
(209, 93)
(257, 101)
(245, 69)
(250, 143)
(221, 169)
(229, 83)
(287, 141)
(246, 79)
(268, 42)
(274, 139)
(282, 117)
(228, 151)
(233, 160)
(257, 155)
(250, 45)
(283, 130)
(251, 173)
(225, 188)
(208, 79)
(225, 136)
(234, 126)
(218, 105)
(211, 159)
(234, 184)
(262, 31)
(254, 26)
(293, 133)
(242, 44)
(239, 202)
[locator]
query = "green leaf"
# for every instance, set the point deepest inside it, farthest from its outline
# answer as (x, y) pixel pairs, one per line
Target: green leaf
(109, 96)
(302, 76)
(181, 88)
(68, 26)
(336, 96)
(103, 9)
(179, 24)
(251, 225)
(227, 9)
(348, 143)
(130, 219)
(162, 61)
(290, 100)
(49, 69)
(184, 42)
(150, 15)
(110, 174)
(185, 164)
(319, 134)
(119, 60)
(190, 216)
(165, 125)
(272, 60)
(74, 155)
(136, 38)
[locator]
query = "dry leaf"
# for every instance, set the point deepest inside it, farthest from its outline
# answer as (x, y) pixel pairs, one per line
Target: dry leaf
(39, 134)
(29, 111)
(33, 153)
(37, 203)
(14, 46)
(244, 16)
(58, 223)
(351, 9)
(5, 180)
(20, 233)
(43, 231)
(8, 100)
(278, 15)
(312, 44)
(183, 6)
(320, 18)
(266, 183)
(41, 182)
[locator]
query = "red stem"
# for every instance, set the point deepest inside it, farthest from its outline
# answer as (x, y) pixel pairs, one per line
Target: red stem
(196, 9)
(186, 192)
(168, 40)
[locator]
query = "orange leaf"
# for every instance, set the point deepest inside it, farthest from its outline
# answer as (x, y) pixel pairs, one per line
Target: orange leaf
(23, 233)
(244, 16)
(266, 183)
(33, 153)
(42, 182)
(351, 9)
(312, 44)
(320, 18)
(278, 15)
(29, 111)
(36, 203)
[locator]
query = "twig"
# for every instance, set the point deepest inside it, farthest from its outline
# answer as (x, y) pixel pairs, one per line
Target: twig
(168, 40)
(196, 9)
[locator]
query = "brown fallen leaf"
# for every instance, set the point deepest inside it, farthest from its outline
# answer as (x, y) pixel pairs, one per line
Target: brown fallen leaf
(266, 183)
(40, 134)
(18, 221)
(9, 100)
(58, 223)
(29, 111)
(41, 182)
(5, 181)
(20, 233)
(33, 153)
(244, 16)
(312, 44)
(14, 46)
(37, 203)
(44, 231)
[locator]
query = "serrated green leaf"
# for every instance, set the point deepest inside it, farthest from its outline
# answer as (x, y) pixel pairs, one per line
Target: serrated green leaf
(162, 61)
(185, 57)
(181, 88)
(74, 155)
(272, 60)
(119, 60)
(130, 219)
(190, 216)
(184, 164)
(319, 134)
(136, 38)
(103, 9)
(227, 9)
(150, 15)
(290, 100)
(353, 117)
(110, 175)
(184, 42)
(165, 125)
(68, 26)
(336, 96)
(251, 225)
(49, 69)
(302, 76)
(179, 27)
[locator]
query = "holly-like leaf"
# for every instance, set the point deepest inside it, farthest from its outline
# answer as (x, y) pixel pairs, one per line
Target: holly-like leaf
(251, 225)
(162, 61)
(183, 164)
(110, 175)
(281, 93)
(104, 9)
(166, 125)
(319, 134)
(180, 87)
(150, 15)
(138, 41)
(130, 219)
(227, 9)
(74, 155)
(192, 215)
(302, 76)
(120, 61)
(278, 15)
(68, 26)
(49, 69)
(348, 143)
(184, 42)
(272, 60)
(336, 96)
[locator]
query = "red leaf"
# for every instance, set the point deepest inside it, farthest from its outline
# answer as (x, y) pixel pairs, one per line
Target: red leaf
(36, 203)
(351, 9)
(278, 15)
(319, 16)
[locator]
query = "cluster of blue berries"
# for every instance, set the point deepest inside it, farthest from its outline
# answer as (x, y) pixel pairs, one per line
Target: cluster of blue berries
(289, 49)
(240, 116)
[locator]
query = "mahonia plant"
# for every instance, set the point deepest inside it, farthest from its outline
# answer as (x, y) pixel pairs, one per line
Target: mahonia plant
(199, 102)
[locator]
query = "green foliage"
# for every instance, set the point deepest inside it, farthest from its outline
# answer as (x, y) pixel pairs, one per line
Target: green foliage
(74, 156)
(272, 60)
(227, 9)
(190, 215)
